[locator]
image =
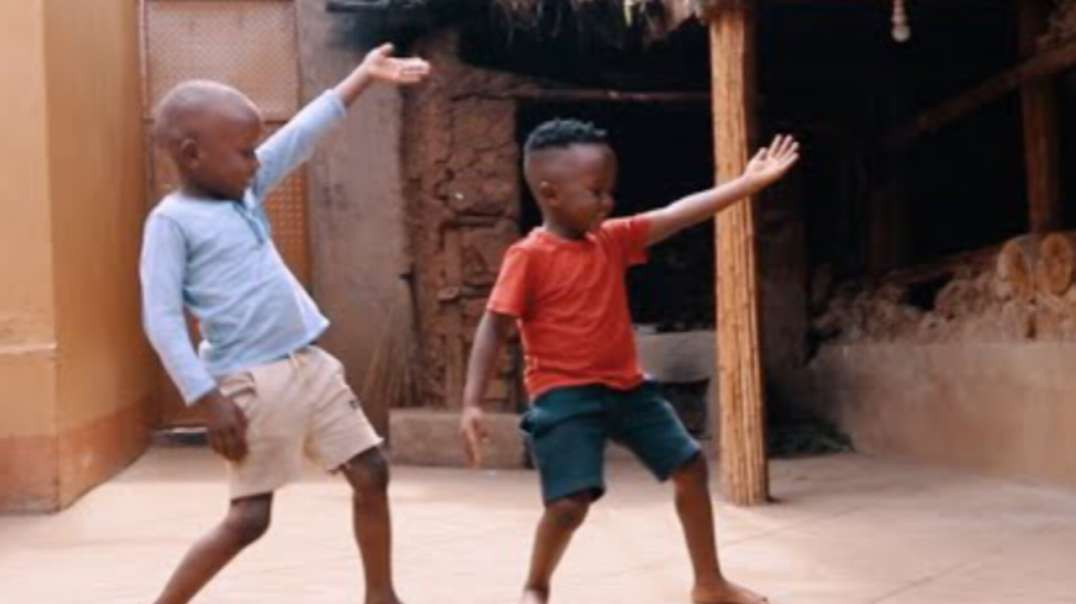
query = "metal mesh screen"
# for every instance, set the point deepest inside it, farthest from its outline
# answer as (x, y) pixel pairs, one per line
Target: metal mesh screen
(249, 44)
(286, 207)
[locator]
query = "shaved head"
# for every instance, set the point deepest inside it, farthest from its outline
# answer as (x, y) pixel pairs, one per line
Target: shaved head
(211, 131)
(190, 107)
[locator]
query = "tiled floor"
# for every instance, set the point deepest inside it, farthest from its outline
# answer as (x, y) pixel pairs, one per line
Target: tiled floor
(846, 529)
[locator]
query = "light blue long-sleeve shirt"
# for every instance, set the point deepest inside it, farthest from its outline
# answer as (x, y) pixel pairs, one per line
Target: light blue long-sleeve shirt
(217, 259)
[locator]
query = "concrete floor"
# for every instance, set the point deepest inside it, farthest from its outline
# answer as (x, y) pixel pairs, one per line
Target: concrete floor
(847, 529)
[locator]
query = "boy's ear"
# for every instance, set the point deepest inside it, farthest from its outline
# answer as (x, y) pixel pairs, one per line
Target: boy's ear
(188, 151)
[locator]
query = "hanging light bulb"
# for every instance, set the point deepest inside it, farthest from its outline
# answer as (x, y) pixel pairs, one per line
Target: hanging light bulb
(902, 32)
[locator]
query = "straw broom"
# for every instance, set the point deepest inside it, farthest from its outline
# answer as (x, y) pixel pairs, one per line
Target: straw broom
(391, 374)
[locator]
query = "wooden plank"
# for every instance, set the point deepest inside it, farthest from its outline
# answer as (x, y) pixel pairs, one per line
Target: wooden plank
(1042, 153)
(744, 471)
(1042, 65)
(615, 96)
(1040, 118)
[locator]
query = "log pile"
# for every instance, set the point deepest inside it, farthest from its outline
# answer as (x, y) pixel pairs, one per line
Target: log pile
(1057, 258)
(1020, 291)
(1015, 270)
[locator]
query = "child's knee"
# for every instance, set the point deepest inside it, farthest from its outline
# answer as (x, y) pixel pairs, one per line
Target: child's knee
(248, 519)
(569, 512)
(368, 473)
(695, 472)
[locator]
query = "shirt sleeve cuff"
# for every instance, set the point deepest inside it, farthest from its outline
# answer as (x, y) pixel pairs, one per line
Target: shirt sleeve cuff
(502, 309)
(332, 98)
(193, 393)
(640, 253)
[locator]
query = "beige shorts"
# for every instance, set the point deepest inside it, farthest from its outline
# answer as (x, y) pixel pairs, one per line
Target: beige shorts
(296, 407)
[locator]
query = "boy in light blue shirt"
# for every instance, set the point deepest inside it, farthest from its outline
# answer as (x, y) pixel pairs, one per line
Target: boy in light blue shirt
(270, 396)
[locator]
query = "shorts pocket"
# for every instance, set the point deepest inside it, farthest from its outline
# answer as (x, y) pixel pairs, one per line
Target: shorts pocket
(242, 389)
(335, 363)
(529, 422)
(553, 409)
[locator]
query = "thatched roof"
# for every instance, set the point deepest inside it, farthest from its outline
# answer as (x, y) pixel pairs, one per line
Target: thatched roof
(616, 22)
(652, 19)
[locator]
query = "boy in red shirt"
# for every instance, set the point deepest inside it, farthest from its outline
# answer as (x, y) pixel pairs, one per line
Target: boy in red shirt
(563, 285)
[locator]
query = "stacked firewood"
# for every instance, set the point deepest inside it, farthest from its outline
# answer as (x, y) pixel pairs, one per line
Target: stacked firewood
(1022, 291)
(1036, 272)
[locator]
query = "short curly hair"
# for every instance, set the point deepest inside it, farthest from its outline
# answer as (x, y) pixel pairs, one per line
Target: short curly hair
(562, 133)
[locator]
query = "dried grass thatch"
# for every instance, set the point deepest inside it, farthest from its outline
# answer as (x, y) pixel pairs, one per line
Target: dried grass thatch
(391, 375)
(619, 22)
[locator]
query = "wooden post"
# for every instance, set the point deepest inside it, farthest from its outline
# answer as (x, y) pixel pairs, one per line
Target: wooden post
(1041, 145)
(744, 473)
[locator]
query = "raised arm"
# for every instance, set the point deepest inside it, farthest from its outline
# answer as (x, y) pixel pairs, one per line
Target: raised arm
(769, 165)
(296, 141)
(493, 330)
(380, 65)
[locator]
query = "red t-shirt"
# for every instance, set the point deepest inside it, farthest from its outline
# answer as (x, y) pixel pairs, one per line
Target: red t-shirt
(570, 302)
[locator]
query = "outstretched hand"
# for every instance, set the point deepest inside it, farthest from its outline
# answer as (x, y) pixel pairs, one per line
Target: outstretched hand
(771, 163)
(473, 431)
(379, 64)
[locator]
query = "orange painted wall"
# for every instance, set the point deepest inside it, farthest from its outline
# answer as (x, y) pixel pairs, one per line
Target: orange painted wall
(106, 373)
(28, 466)
(84, 374)
(25, 253)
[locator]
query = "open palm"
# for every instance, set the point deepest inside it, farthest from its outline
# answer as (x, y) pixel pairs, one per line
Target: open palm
(771, 163)
(381, 65)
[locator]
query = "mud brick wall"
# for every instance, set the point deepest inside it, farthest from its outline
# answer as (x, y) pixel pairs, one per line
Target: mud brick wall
(461, 158)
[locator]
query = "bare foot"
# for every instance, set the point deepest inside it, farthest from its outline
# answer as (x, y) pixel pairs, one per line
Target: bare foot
(725, 592)
(534, 596)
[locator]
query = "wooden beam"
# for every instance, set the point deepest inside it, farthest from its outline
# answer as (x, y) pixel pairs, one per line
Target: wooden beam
(1042, 65)
(744, 471)
(593, 94)
(1040, 118)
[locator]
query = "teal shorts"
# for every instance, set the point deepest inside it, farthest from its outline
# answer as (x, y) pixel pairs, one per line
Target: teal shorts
(568, 429)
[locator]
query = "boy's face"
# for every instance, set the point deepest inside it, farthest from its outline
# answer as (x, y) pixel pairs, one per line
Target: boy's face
(580, 196)
(221, 159)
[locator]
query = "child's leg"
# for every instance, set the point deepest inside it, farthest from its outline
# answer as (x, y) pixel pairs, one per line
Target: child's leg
(559, 521)
(647, 424)
(246, 522)
(272, 459)
(341, 437)
(368, 473)
(567, 432)
(695, 509)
